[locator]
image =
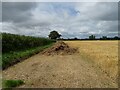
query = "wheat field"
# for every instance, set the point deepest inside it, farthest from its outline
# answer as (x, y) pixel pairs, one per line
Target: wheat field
(102, 53)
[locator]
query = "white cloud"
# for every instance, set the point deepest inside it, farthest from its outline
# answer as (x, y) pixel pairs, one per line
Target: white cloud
(70, 19)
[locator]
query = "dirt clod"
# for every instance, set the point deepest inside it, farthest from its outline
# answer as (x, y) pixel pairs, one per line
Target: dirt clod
(59, 48)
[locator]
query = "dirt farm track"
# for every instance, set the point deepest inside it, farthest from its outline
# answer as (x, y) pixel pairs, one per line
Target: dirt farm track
(94, 65)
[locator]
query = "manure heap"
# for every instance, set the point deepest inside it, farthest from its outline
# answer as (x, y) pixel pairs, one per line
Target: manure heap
(59, 48)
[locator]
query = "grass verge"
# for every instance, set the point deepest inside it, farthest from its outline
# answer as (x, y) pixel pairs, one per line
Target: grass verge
(8, 59)
(12, 83)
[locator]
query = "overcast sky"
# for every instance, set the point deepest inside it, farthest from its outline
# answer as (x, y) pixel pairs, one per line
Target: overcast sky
(70, 19)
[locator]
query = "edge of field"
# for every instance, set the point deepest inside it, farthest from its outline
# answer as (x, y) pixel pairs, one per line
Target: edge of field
(100, 64)
(12, 58)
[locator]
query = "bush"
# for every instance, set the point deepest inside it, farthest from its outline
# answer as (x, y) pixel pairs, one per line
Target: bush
(12, 42)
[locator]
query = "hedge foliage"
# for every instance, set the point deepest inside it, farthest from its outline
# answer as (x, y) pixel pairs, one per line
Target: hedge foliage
(12, 42)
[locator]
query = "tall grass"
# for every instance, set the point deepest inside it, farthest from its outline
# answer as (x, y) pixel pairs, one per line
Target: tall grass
(9, 59)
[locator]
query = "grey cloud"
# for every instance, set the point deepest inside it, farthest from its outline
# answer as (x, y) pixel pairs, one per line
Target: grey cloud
(38, 19)
(17, 12)
(109, 11)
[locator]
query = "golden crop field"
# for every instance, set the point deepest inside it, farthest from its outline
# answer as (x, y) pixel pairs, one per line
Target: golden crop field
(94, 66)
(102, 53)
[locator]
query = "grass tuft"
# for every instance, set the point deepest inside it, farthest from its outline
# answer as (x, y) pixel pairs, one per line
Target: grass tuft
(12, 83)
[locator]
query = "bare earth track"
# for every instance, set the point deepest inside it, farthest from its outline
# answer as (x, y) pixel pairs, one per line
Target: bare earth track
(56, 71)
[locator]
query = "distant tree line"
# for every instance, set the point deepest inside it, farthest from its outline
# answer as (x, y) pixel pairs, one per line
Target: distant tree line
(93, 37)
(55, 35)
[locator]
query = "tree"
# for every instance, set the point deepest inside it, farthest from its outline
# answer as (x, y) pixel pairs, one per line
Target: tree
(91, 37)
(54, 35)
(75, 38)
(116, 37)
(104, 37)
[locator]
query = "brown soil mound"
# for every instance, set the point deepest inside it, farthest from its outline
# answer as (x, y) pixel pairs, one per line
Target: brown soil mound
(59, 48)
